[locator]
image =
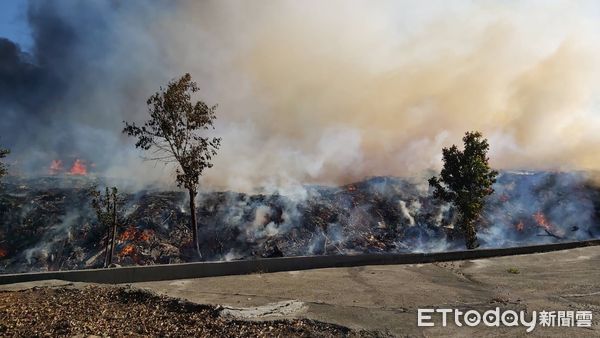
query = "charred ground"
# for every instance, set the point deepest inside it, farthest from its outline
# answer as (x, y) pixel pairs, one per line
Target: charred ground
(48, 224)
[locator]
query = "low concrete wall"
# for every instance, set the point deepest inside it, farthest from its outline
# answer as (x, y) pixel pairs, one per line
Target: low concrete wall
(211, 269)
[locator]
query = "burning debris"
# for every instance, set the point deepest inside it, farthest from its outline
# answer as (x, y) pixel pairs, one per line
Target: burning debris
(48, 223)
(543, 223)
(78, 168)
(56, 167)
(520, 226)
(128, 234)
(128, 250)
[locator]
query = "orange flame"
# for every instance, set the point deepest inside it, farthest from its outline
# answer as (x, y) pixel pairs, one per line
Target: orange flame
(56, 167)
(3, 252)
(542, 221)
(127, 251)
(520, 226)
(129, 234)
(146, 235)
(78, 168)
(132, 233)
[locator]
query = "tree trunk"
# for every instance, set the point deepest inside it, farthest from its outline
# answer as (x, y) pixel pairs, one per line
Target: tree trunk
(194, 224)
(470, 234)
(107, 258)
(106, 246)
(114, 228)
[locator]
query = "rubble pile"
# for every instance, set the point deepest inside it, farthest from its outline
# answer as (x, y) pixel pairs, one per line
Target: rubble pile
(48, 224)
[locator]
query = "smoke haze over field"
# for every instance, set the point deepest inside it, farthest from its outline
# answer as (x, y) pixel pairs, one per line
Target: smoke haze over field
(325, 92)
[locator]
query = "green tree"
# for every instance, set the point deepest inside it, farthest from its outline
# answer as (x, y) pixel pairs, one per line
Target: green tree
(465, 180)
(174, 133)
(3, 153)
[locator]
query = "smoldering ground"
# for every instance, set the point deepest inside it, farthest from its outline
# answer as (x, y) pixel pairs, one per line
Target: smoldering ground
(52, 227)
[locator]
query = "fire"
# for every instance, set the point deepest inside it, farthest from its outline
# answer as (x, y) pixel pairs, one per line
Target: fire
(542, 221)
(146, 235)
(132, 233)
(3, 252)
(520, 226)
(128, 250)
(129, 234)
(56, 167)
(78, 168)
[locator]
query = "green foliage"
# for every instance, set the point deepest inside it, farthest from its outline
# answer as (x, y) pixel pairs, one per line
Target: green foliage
(173, 131)
(465, 180)
(514, 271)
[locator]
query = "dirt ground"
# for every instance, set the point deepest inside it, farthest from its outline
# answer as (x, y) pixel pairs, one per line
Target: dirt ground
(91, 310)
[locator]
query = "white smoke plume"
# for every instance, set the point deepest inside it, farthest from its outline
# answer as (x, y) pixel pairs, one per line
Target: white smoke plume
(309, 92)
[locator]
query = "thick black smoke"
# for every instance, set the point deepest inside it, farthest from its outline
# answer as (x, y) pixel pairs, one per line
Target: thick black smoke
(64, 98)
(33, 82)
(34, 86)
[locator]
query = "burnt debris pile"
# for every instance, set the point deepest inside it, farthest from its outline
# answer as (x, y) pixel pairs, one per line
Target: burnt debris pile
(48, 224)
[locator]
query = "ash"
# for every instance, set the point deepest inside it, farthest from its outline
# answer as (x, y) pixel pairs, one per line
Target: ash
(47, 224)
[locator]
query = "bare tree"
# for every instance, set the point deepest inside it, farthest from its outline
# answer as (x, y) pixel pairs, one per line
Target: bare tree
(3, 153)
(106, 208)
(174, 133)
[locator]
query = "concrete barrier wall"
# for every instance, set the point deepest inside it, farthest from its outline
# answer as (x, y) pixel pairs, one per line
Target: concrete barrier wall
(134, 274)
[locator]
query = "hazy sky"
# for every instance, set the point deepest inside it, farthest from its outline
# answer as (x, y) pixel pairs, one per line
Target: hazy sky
(308, 91)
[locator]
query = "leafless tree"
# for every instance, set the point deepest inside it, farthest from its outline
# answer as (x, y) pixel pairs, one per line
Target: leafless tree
(3, 153)
(107, 212)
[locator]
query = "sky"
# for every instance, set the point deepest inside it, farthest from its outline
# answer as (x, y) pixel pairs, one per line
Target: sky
(13, 22)
(307, 92)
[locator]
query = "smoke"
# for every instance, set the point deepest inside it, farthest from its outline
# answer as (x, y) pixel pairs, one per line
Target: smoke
(541, 207)
(54, 239)
(407, 213)
(56, 228)
(325, 93)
